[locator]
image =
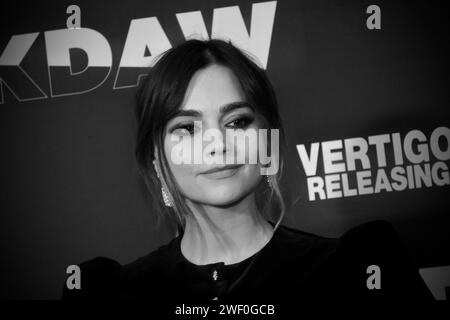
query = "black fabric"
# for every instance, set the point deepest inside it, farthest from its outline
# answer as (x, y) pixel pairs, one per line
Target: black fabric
(293, 265)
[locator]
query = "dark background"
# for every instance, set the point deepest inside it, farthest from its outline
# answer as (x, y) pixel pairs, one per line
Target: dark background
(70, 188)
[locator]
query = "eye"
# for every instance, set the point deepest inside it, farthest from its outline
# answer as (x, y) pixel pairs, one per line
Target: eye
(241, 122)
(184, 129)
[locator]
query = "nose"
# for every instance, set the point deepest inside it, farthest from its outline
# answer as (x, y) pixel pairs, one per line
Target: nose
(219, 147)
(217, 138)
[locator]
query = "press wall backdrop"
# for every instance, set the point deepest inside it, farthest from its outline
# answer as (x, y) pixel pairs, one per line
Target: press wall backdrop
(363, 94)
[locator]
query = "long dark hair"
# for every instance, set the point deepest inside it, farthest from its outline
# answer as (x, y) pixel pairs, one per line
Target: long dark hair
(161, 95)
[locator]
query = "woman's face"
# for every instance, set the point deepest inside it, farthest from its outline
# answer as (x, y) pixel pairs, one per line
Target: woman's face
(209, 91)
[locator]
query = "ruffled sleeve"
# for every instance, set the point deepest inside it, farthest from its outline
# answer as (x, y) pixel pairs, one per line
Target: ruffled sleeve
(372, 248)
(99, 280)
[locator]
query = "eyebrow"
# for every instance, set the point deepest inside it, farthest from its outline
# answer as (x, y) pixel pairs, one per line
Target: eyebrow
(223, 109)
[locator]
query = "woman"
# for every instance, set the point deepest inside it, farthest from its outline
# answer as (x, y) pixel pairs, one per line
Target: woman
(227, 247)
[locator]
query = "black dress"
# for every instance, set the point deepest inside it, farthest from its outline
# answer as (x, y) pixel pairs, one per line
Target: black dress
(293, 266)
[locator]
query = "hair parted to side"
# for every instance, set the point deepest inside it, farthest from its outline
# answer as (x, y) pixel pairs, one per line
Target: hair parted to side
(161, 95)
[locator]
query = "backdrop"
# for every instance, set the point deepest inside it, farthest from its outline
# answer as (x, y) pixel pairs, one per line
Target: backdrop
(363, 95)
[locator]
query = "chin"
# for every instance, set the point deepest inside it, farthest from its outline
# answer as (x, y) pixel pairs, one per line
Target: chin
(223, 202)
(223, 195)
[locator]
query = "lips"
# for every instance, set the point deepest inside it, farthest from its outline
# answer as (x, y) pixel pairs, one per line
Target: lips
(222, 172)
(227, 167)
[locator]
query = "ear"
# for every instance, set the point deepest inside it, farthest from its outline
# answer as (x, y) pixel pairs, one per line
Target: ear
(156, 161)
(156, 168)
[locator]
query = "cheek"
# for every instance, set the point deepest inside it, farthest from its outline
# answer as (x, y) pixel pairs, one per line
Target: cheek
(252, 174)
(249, 148)
(182, 172)
(178, 149)
(184, 176)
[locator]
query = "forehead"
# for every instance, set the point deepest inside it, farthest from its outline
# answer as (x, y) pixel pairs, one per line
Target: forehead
(211, 88)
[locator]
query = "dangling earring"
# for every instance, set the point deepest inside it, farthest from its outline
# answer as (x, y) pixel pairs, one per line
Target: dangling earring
(269, 181)
(165, 198)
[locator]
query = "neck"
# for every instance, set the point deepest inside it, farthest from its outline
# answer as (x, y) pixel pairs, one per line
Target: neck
(224, 234)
